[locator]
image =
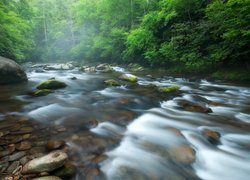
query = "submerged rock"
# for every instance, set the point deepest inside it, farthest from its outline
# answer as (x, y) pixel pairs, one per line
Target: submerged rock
(129, 77)
(212, 136)
(55, 144)
(46, 163)
(51, 84)
(184, 154)
(68, 170)
(47, 178)
(11, 72)
(169, 89)
(24, 145)
(193, 107)
(112, 82)
(42, 92)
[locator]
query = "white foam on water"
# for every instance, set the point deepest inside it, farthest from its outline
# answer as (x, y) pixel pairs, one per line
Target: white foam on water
(216, 164)
(52, 112)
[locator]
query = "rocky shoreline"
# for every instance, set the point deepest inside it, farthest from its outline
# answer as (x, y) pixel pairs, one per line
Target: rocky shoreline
(27, 150)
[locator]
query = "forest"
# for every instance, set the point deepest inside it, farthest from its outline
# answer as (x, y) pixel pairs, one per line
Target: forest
(193, 35)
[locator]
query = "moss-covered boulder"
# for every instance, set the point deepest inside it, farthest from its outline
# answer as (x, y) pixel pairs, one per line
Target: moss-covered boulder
(129, 77)
(169, 89)
(51, 84)
(112, 82)
(42, 92)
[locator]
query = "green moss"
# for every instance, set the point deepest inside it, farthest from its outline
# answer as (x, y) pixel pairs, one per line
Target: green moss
(129, 77)
(43, 92)
(112, 82)
(51, 84)
(173, 88)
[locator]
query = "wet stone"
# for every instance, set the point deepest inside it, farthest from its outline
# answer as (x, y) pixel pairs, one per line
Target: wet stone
(17, 156)
(24, 145)
(35, 150)
(10, 140)
(3, 166)
(47, 178)
(4, 133)
(26, 136)
(92, 173)
(47, 163)
(10, 149)
(13, 166)
(184, 154)
(212, 136)
(68, 170)
(55, 144)
(24, 160)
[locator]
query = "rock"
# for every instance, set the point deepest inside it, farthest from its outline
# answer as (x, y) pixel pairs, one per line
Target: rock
(184, 154)
(9, 150)
(92, 174)
(105, 68)
(193, 107)
(169, 89)
(129, 77)
(24, 160)
(51, 84)
(17, 156)
(55, 144)
(68, 170)
(67, 66)
(39, 149)
(42, 92)
(87, 69)
(112, 82)
(47, 163)
(25, 145)
(11, 72)
(39, 70)
(73, 78)
(13, 166)
(212, 136)
(47, 178)
(3, 166)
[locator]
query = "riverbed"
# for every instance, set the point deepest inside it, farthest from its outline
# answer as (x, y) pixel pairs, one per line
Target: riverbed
(134, 131)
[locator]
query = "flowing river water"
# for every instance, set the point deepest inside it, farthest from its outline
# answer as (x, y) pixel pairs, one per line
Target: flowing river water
(135, 131)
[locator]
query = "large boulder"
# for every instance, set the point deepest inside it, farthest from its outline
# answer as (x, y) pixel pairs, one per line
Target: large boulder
(11, 72)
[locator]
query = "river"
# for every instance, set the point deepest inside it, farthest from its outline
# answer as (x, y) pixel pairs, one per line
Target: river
(136, 132)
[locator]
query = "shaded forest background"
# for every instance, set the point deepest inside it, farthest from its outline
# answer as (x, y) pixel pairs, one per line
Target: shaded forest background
(192, 34)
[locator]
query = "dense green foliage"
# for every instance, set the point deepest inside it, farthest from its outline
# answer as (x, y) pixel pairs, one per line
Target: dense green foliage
(195, 34)
(15, 28)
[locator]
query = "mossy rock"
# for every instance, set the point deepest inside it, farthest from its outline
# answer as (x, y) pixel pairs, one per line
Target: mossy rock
(169, 89)
(42, 92)
(51, 84)
(129, 77)
(112, 82)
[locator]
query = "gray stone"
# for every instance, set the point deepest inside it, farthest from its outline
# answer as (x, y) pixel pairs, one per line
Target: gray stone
(47, 163)
(11, 72)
